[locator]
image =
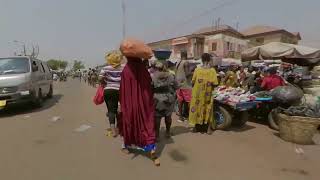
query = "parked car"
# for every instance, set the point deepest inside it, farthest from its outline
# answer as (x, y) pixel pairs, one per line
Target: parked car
(24, 79)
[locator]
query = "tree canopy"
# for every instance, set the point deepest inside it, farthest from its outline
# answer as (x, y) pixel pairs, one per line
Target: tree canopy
(56, 64)
(77, 65)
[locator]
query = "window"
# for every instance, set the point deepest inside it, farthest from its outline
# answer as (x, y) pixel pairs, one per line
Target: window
(239, 48)
(14, 65)
(230, 46)
(35, 67)
(214, 46)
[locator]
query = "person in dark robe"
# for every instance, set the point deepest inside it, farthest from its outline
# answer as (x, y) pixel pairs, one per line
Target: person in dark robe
(137, 108)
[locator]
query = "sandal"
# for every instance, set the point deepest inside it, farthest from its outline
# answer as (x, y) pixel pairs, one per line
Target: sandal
(156, 160)
(125, 151)
(114, 132)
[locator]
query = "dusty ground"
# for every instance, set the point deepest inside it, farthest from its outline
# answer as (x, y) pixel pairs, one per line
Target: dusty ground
(33, 147)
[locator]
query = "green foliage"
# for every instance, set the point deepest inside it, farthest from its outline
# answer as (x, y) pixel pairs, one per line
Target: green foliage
(77, 65)
(55, 64)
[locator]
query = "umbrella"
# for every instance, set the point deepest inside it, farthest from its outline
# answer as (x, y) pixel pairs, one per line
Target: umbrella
(290, 53)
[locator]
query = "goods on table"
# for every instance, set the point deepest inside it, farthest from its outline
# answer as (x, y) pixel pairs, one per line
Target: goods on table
(297, 129)
(262, 94)
(231, 95)
(287, 95)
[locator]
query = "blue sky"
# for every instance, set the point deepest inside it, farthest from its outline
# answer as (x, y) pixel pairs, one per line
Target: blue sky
(85, 29)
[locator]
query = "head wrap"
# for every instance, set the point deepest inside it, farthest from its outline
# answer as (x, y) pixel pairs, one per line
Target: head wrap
(114, 58)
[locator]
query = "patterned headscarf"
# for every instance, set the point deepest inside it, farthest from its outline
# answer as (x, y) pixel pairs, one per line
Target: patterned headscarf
(114, 58)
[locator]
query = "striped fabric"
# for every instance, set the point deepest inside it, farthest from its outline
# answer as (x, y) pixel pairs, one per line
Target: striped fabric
(112, 76)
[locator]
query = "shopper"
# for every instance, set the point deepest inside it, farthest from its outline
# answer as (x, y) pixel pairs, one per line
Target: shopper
(201, 108)
(110, 76)
(164, 87)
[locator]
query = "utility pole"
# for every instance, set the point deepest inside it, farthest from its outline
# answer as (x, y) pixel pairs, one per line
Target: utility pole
(123, 19)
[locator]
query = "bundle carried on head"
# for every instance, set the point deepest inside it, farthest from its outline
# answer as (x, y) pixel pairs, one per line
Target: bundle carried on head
(134, 48)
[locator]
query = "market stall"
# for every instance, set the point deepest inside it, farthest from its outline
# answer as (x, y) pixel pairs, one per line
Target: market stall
(232, 106)
(289, 53)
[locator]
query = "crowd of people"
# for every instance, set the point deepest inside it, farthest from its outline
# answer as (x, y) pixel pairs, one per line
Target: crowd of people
(139, 94)
(89, 76)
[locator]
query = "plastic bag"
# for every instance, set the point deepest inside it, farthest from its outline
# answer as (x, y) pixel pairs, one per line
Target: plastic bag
(99, 97)
(287, 95)
(136, 49)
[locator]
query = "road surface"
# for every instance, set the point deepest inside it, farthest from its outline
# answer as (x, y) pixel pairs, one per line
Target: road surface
(36, 146)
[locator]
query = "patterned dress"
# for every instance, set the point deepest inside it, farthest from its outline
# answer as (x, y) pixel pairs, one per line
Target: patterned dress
(204, 80)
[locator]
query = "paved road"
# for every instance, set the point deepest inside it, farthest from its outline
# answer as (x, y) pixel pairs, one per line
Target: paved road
(33, 147)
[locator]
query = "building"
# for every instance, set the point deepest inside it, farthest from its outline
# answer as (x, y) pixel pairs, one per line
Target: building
(224, 41)
(259, 35)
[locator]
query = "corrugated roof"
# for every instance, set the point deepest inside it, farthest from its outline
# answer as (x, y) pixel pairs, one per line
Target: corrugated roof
(259, 30)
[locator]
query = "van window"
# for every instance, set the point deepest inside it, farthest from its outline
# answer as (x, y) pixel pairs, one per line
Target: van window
(35, 66)
(14, 65)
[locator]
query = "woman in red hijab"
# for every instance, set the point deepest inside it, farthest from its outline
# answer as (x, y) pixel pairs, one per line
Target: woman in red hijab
(136, 100)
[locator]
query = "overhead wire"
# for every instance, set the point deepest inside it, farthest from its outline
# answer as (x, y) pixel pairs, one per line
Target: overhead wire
(221, 4)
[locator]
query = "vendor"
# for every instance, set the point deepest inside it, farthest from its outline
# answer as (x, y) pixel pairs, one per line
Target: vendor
(272, 80)
(231, 79)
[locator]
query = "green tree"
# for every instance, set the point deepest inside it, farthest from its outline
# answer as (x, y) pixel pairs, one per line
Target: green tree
(77, 65)
(55, 64)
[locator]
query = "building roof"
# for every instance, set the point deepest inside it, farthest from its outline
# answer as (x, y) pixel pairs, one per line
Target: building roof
(261, 29)
(250, 32)
(216, 29)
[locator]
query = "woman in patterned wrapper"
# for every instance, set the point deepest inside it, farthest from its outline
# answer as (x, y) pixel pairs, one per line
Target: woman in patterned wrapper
(201, 107)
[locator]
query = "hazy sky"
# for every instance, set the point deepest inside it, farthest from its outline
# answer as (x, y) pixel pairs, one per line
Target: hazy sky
(85, 29)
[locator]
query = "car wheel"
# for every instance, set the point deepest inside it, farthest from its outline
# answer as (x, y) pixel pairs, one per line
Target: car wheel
(223, 118)
(50, 94)
(39, 99)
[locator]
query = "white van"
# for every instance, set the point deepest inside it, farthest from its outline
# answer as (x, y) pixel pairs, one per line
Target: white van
(24, 79)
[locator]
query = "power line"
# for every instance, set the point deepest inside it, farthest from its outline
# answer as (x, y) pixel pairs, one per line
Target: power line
(221, 4)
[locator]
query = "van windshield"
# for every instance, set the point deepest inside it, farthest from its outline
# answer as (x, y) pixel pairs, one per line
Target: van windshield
(14, 66)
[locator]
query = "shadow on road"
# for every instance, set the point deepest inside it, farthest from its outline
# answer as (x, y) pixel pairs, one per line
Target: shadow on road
(175, 154)
(27, 108)
(242, 129)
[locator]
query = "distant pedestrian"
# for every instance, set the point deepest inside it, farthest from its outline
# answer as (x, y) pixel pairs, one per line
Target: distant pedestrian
(80, 75)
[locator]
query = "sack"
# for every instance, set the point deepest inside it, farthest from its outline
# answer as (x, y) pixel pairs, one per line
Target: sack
(135, 49)
(287, 95)
(99, 97)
